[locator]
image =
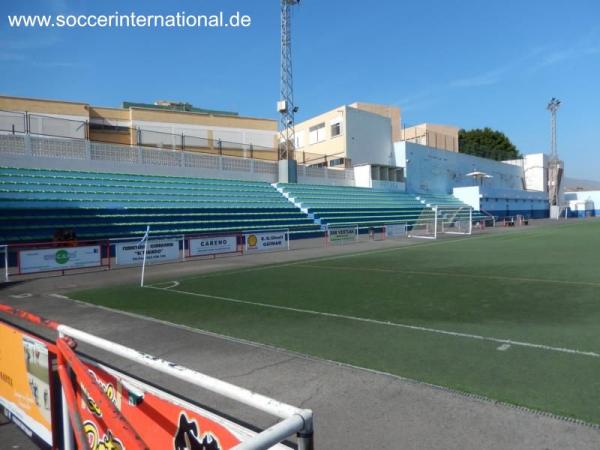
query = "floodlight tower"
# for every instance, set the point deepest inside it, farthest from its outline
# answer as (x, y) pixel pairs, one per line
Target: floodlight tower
(553, 108)
(555, 169)
(285, 105)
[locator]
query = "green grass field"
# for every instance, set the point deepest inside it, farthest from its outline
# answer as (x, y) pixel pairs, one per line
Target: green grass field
(512, 316)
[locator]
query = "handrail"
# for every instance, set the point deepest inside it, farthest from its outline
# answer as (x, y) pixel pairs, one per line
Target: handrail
(295, 420)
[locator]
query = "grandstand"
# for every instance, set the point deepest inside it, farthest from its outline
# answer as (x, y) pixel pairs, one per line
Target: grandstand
(451, 204)
(95, 205)
(372, 207)
(107, 205)
(353, 205)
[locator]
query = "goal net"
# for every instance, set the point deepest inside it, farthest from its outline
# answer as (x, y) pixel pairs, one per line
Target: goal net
(425, 226)
(455, 220)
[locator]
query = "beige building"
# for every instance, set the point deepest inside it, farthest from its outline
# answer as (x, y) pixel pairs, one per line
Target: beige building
(354, 134)
(443, 137)
(168, 125)
(364, 133)
(391, 112)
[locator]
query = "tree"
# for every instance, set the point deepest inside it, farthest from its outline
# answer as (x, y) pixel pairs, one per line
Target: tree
(487, 143)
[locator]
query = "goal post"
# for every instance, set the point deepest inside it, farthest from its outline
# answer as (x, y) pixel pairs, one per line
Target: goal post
(395, 230)
(425, 226)
(455, 220)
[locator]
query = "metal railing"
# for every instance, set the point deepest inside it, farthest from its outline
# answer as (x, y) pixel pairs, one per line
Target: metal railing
(16, 122)
(293, 420)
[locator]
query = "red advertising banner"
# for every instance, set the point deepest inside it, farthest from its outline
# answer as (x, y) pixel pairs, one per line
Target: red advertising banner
(161, 420)
(108, 410)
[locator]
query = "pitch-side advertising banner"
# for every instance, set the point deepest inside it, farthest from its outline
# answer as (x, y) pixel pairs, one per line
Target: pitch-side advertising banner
(342, 234)
(160, 250)
(266, 241)
(162, 421)
(25, 384)
(43, 260)
(212, 245)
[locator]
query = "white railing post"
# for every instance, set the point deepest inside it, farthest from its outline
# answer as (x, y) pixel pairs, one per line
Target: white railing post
(28, 146)
(5, 262)
(68, 442)
(88, 150)
(470, 220)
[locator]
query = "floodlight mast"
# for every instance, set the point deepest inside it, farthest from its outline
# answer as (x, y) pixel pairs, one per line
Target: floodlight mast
(285, 106)
(555, 170)
(553, 108)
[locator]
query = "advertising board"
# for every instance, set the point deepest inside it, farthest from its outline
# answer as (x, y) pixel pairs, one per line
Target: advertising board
(267, 241)
(204, 246)
(25, 384)
(60, 258)
(342, 234)
(159, 250)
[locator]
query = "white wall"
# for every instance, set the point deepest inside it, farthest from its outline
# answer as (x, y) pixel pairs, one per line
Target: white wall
(505, 202)
(368, 138)
(509, 202)
(429, 170)
(468, 195)
(362, 176)
(71, 154)
(535, 170)
(580, 201)
(323, 175)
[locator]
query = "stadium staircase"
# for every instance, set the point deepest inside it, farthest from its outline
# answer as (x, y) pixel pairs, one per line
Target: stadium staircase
(364, 207)
(38, 202)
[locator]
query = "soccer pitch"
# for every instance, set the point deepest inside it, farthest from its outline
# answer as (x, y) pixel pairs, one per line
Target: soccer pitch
(511, 316)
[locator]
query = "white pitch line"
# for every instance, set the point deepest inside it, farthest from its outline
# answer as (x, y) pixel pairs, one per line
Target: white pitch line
(332, 258)
(24, 295)
(390, 324)
(452, 274)
(169, 285)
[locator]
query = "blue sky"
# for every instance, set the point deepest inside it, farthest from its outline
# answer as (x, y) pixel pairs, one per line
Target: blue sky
(468, 63)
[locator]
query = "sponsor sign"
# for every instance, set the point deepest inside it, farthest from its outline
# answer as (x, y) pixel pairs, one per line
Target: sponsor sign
(44, 260)
(25, 384)
(212, 245)
(163, 421)
(342, 234)
(396, 230)
(159, 250)
(267, 241)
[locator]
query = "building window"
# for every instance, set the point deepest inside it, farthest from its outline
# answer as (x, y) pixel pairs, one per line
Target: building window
(337, 162)
(299, 140)
(316, 133)
(336, 129)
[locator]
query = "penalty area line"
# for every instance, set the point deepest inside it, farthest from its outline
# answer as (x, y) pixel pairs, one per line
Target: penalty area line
(509, 342)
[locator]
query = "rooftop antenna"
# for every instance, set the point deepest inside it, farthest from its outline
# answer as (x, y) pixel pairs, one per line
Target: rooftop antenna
(555, 169)
(285, 106)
